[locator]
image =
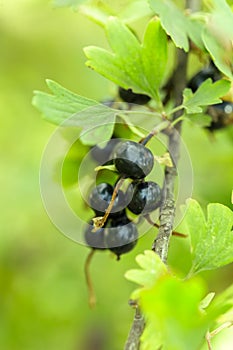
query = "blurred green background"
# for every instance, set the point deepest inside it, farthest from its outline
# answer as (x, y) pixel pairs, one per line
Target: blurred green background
(43, 297)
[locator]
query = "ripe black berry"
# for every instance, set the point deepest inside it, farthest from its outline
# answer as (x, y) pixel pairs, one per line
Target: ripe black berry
(101, 196)
(121, 237)
(146, 197)
(95, 240)
(133, 160)
(130, 97)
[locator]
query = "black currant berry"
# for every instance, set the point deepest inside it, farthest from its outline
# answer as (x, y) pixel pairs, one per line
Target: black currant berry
(95, 240)
(146, 197)
(101, 196)
(221, 114)
(121, 237)
(208, 72)
(130, 97)
(133, 160)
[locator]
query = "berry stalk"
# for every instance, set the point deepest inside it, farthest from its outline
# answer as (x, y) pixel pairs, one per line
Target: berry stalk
(92, 297)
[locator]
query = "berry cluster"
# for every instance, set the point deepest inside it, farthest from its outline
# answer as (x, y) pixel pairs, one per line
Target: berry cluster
(221, 113)
(119, 234)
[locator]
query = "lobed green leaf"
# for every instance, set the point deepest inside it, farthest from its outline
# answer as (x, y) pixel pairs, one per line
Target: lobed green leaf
(199, 119)
(207, 94)
(61, 105)
(211, 239)
(154, 53)
(152, 268)
(97, 123)
(132, 65)
(68, 109)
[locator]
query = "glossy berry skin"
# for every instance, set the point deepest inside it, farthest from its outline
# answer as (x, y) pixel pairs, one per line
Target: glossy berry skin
(130, 97)
(121, 237)
(95, 240)
(146, 197)
(133, 160)
(101, 196)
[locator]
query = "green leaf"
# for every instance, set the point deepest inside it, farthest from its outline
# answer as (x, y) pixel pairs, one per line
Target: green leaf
(154, 53)
(135, 130)
(195, 27)
(211, 239)
(126, 47)
(61, 105)
(207, 94)
(97, 123)
(132, 65)
(66, 108)
(199, 119)
(105, 63)
(218, 36)
(152, 268)
(173, 21)
(171, 308)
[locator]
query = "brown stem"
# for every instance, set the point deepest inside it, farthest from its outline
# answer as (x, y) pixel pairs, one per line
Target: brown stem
(133, 341)
(160, 127)
(91, 292)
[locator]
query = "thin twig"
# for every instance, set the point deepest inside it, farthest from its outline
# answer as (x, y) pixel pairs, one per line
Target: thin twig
(210, 335)
(208, 339)
(133, 341)
(162, 126)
